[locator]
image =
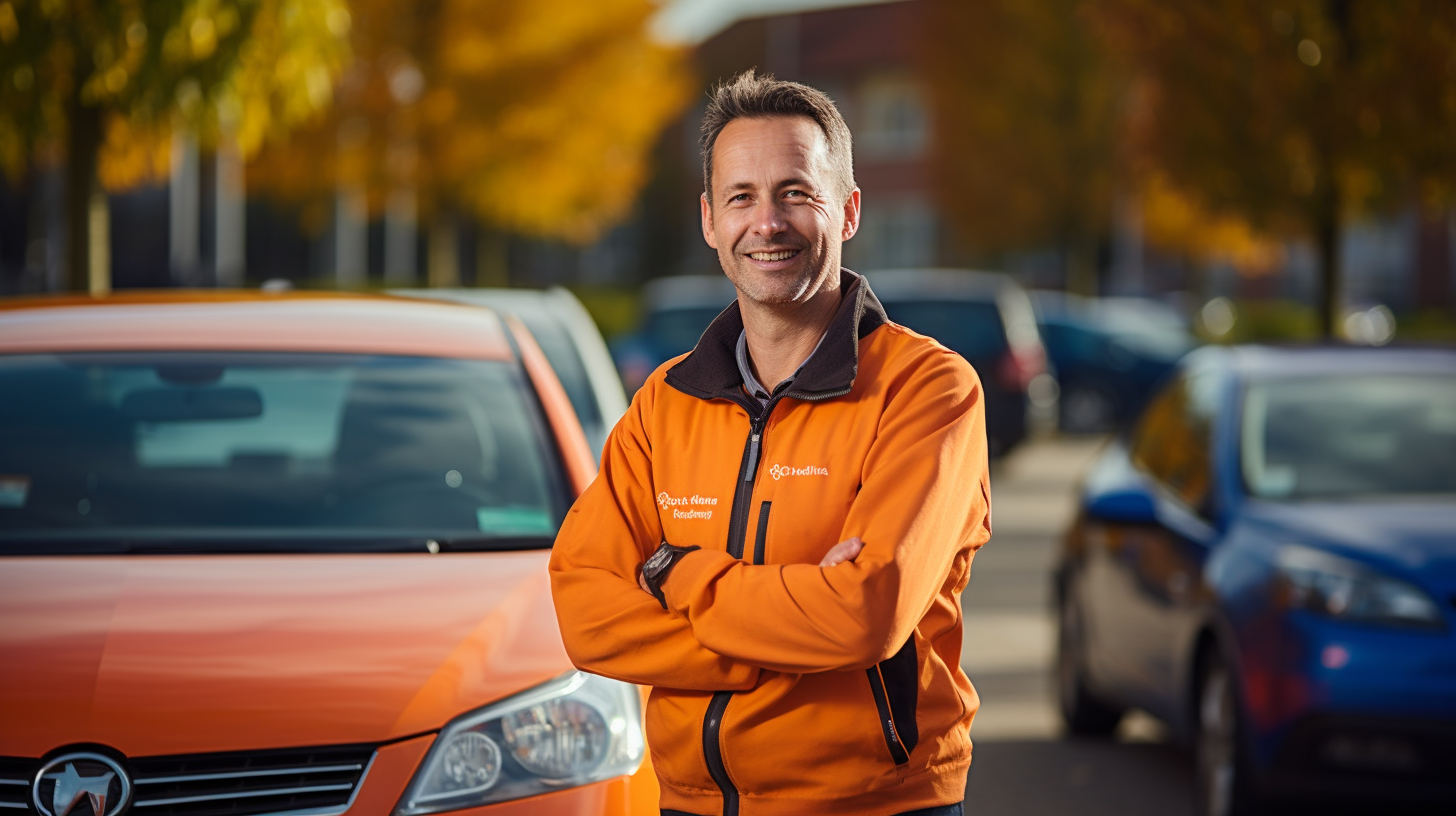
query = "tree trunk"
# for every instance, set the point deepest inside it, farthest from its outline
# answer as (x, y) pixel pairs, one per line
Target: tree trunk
(443, 252)
(1079, 259)
(492, 257)
(83, 142)
(1327, 251)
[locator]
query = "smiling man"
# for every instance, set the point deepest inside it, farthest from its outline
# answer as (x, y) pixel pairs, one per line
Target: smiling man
(786, 516)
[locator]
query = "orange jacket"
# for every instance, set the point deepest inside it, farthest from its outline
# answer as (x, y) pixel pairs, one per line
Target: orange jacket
(781, 687)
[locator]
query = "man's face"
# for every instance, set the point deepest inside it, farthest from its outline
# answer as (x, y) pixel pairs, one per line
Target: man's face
(774, 217)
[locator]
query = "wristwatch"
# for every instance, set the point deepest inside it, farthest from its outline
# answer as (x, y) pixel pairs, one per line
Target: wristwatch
(656, 568)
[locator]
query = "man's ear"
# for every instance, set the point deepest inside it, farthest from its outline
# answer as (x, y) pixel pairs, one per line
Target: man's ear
(708, 221)
(851, 215)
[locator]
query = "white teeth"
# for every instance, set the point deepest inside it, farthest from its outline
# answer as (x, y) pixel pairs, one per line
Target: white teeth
(773, 256)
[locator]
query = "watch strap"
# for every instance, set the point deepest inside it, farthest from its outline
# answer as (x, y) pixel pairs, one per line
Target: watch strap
(657, 567)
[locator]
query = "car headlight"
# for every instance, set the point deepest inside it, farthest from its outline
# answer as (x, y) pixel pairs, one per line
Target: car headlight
(1339, 587)
(574, 730)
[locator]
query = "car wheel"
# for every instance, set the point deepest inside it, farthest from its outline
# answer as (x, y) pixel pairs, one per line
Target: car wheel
(1083, 713)
(1087, 409)
(1220, 758)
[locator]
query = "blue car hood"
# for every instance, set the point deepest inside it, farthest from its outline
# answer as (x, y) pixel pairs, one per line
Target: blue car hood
(1415, 537)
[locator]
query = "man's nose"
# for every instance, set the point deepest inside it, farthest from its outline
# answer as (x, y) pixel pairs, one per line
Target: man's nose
(768, 217)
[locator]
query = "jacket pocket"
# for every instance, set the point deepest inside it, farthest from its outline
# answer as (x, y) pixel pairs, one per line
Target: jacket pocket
(895, 686)
(760, 544)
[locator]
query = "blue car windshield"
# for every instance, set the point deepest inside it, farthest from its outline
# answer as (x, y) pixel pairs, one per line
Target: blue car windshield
(240, 451)
(1350, 437)
(972, 329)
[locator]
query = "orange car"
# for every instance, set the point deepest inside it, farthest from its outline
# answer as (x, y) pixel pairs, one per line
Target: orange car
(286, 554)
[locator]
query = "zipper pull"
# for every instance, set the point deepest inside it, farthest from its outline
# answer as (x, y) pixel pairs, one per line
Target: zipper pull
(752, 457)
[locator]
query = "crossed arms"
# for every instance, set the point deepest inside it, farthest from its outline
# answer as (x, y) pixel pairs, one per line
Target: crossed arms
(922, 508)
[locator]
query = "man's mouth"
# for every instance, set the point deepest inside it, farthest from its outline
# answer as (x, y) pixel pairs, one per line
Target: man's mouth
(777, 255)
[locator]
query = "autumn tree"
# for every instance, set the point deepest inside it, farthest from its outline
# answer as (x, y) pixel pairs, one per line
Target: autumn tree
(1027, 106)
(99, 85)
(529, 116)
(1297, 115)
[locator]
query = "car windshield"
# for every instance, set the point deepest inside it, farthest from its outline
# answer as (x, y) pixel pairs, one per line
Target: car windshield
(1328, 437)
(241, 451)
(972, 329)
(675, 331)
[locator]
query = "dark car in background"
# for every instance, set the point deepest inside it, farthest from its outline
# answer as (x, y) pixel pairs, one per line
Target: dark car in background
(1266, 561)
(571, 342)
(1108, 355)
(675, 312)
(986, 318)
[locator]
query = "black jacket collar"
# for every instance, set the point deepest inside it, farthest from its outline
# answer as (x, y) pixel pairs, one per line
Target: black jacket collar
(711, 370)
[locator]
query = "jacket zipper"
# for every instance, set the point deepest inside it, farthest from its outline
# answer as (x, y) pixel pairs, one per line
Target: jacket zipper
(737, 535)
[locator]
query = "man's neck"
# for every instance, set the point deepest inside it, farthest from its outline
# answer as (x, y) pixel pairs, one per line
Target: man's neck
(781, 337)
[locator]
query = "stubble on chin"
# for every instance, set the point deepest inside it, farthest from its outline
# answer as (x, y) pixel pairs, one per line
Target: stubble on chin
(775, 289)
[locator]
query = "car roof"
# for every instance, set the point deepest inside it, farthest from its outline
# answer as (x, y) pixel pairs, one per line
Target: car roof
(958, 284)
(1269, 361)
(688, 292)
(519, 301)
(221, 320)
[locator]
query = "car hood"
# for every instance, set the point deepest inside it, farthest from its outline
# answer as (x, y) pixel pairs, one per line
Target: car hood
(156, 655)
(1414, 536)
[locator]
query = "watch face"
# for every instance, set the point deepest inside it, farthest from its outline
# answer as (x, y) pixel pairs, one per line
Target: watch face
(656, 562)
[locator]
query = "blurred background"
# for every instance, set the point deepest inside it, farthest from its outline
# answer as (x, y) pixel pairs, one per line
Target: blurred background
(1267, 170)
(1143, 176)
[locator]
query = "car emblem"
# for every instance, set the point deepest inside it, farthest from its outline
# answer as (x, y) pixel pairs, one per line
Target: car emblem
(66, 782)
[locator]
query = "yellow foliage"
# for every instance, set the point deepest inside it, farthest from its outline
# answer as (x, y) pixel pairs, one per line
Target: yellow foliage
(242, 70)
(1176, 220)
(535, 116)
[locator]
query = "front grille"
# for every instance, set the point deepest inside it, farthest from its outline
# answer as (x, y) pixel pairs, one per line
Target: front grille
(296, 781)
(15, 776)
(305, 781)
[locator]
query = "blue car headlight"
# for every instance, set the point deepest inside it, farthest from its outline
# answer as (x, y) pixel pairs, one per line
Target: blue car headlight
(574, 730)
(1342, 588)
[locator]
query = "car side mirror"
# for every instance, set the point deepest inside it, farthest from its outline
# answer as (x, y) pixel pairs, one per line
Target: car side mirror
(1129, 504)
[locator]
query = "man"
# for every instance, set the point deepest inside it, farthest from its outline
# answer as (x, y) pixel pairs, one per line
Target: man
(786, 516)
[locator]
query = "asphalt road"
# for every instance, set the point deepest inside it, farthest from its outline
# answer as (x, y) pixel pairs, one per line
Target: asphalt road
(1023, 765)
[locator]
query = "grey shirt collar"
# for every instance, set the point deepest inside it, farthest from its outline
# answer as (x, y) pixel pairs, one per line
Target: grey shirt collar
(750, 382)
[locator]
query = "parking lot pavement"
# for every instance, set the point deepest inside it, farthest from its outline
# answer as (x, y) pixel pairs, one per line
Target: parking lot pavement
(1023, 765)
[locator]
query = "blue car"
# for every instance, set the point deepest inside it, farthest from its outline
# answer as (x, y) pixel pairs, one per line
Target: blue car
(1108, 354)
(1266, 561)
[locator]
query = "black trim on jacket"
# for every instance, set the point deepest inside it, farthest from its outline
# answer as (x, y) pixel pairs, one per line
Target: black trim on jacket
(711, 370)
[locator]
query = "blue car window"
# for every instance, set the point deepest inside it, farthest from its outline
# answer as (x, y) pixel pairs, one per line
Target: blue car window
(674, 331)
(1328, 437)
(972, 329)
(1173, 440)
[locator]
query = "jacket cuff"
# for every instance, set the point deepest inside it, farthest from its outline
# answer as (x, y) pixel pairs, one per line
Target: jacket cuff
(691, 574)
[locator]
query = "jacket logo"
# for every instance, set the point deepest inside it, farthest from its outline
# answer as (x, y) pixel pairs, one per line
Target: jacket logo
(687, 507)
(780, 471)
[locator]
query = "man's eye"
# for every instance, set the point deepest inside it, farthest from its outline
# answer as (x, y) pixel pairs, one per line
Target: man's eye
(796, 194)
(739, 197)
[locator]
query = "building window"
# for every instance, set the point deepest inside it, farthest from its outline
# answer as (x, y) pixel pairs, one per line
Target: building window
(894, 234)
(893, 119)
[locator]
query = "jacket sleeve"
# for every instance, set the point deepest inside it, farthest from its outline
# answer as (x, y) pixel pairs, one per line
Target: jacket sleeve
(922, 510)
(609, 625)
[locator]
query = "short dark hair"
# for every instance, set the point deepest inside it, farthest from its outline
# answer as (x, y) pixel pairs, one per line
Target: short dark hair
(751, 96)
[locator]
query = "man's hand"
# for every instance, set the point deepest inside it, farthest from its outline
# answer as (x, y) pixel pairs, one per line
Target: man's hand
(843, 551)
